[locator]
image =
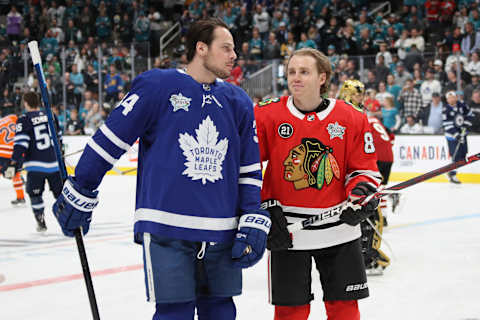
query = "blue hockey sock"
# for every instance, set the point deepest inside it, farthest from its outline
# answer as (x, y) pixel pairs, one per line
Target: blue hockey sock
(174, 311)
(211, 308)
(37, 205)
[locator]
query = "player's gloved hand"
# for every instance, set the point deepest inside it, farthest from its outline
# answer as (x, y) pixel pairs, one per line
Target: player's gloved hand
(250, 240)
(353, 214)
(10, 172)
(279, 237)
(74, 206)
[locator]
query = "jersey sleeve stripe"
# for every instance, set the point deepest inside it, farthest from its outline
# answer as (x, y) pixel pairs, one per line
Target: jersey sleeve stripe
(374, 175)
(250, 168)
(101, 152)
(22, 143)
(21, 137)
(185, 221)
(254, 182)
(41, 164)
(113, 138)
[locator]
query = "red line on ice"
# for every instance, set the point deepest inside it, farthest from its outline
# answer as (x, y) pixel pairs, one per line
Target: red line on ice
(71, 277)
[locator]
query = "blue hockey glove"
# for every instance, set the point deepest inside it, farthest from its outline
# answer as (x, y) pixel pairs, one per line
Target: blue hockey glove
(74, 206)
(354, 213)
(250, 240)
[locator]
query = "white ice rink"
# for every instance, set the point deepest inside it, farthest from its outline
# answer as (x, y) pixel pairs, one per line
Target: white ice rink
(434, 275)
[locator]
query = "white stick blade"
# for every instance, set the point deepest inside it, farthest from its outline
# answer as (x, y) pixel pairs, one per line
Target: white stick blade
(33, 46)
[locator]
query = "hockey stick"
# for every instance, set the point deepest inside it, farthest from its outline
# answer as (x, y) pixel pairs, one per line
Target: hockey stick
(128, 171)
(37, 63)
(405, 184)
(73, 153)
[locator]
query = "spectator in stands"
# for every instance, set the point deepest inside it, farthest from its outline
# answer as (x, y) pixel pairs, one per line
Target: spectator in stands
(390, 115)
(410, 98)
(470, 87)
(286, 49)
(451, 84)
(371, 82)
(7, 105)
(351, 70)
(84, 109)
(430, 116)
(473, 65)
(113, 84)
(401, 76)
(256, 45)
(382, 93)
(394, 90)
(471, 40)
(104, 26)
(142, 27)
(72, 33)
(365, 43)
(455, 56)
(387, 56)
(74, 125)
(14, 24)
(411, 126)
(31, 22)
(57, 31)
(475, 107)
(372, 105)
(381, 70)
(91, 78)
(429, 86)
(49, 44)
(261, 21)
(282, 33)
(413, 57)
(440, 75)
(347, 43)
(402, 45)
(271, 49)
(243, 24)
(332, 55)
(305, 42)
(76, 77)
(93, 119)
(236, 76)
(461, 18)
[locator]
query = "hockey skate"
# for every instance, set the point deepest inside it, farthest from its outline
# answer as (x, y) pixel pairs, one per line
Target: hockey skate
(18, 202)
(375, 271)
(453, 179)
(41, 226)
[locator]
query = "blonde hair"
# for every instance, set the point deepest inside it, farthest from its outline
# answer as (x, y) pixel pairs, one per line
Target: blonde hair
(322, 62)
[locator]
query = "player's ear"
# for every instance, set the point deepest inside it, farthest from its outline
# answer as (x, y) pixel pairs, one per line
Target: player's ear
(201, 48)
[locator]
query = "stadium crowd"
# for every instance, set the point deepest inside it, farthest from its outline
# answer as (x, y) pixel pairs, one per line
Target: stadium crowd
(408, 58)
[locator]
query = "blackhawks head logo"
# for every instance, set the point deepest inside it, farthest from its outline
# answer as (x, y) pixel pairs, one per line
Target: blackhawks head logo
(310, 164)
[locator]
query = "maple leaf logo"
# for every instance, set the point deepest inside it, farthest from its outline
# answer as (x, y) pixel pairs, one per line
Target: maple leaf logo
(204, 154)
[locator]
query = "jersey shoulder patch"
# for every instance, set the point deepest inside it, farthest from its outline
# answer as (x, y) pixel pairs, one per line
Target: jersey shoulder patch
(268, 101)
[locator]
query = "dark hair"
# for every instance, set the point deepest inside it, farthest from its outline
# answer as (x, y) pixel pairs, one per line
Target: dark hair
(201, 30)
(32, 99)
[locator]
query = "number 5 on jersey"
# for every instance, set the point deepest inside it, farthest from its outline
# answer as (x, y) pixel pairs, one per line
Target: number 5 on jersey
(128, 102)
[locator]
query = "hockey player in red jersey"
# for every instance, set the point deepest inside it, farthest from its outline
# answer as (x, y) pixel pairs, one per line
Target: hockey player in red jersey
(320, 155)
(352, 91)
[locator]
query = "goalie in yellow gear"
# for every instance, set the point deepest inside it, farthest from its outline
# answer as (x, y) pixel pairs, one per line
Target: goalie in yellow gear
(352, 91)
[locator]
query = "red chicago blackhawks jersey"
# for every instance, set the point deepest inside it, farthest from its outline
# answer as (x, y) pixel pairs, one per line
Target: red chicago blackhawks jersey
(382, 139)
(314, 160)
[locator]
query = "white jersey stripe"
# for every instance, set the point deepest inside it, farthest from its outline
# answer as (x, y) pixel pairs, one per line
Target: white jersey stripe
(250, 168)
(255, 182)
(186, 221)
(21, 137)
(149, 268)
(113, 138)
(40, 164)
(101, 152)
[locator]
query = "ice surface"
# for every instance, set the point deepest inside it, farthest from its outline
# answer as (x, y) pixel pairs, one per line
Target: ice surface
(435, 270)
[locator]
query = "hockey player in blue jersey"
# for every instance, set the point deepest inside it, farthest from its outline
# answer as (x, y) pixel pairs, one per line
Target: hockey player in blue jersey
(33, 149)
(457, 118)
(198, 212)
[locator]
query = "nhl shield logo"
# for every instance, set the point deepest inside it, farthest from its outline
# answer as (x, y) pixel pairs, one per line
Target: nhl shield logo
(335, 130)
(179, 101)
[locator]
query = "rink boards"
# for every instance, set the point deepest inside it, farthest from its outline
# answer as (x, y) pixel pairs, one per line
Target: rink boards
(414, 155)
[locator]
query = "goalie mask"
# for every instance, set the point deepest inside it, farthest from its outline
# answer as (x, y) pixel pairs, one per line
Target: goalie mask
(352, 91)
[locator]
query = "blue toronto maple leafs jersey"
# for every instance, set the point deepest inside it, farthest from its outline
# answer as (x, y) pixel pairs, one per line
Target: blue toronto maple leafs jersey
(198, 162)
(455, 118)
(33, 146)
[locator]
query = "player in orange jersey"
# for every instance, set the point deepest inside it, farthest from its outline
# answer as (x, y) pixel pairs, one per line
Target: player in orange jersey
(7, 136)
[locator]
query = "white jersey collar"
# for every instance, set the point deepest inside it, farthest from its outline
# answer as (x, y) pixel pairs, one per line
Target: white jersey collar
(320, 115)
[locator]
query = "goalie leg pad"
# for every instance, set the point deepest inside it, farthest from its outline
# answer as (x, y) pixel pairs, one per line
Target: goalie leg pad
(292, 312)
(174, 311)
(211, 308)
